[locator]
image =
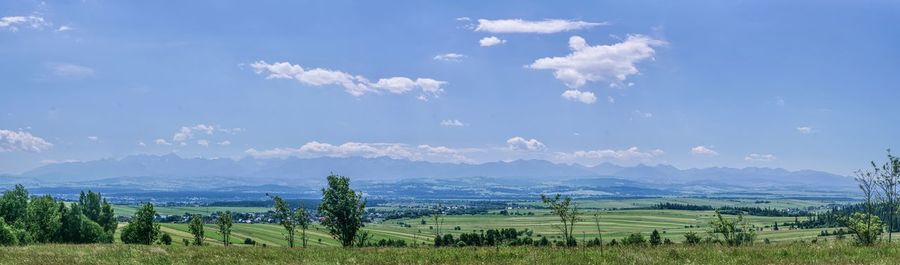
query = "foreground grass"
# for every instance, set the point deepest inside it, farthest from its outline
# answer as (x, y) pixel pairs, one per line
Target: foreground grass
(827, 253)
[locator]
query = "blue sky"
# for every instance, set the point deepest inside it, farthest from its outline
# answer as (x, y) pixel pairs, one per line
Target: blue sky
(800, 85)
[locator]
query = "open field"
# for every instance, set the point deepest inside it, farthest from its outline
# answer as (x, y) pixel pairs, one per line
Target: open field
(614, 225)
(805, 253)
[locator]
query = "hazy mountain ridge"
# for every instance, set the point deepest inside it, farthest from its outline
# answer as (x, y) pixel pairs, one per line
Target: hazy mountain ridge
(392, 177)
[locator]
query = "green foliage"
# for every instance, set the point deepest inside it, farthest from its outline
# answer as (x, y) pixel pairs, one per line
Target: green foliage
(143, 228)
(8, 235)
(286, 218)
(342, 209)
(655, 239)
(692, 238)
(634, 239)
(865, 227)
(43, 219)
(734, 232)
(224, 222)
(14, 206)
(196, 228)
(165, 239)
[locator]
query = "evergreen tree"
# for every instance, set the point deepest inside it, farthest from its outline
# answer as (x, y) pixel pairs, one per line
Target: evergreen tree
(655, 239)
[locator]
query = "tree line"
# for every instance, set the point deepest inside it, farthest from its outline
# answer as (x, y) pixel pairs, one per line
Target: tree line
(28, 219)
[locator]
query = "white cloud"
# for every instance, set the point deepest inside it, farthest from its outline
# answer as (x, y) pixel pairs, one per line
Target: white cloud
(463, 19)
(805, 130)
(12, 23)
(586, 97)
(449, 57)
(22, 141)
(490, 41)
(162, 142)
(93, 138)
(703, 150)
(452, 123)
(353, 84)
(188, 132)
(610, 99)
(609, 63)
(632, 153)
(760, 157)
(141, 143)
(224, 143)
(70, 70)
(64, 28)
(519, 143)
(526, 26)
(367, 150)
(203, 142)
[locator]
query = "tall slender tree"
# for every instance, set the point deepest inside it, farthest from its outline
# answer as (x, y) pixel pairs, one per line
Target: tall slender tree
(196, 228)
(888, 176)
(285, 217)
(301, 217)
(224, 222)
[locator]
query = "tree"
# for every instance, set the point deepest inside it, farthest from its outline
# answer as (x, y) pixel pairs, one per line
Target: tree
(655, 239)
(143, 228)
(224, 222)
(438, 220)
(888, 176)
(567, 212)
(286, 219)
(862, 224)
(196, 228)
(14, 206)
(43, 219)
(301, 217)
(734, 232)
(98, 210)
(343, 209)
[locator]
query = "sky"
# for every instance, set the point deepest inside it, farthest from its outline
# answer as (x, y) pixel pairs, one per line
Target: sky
(790, 84)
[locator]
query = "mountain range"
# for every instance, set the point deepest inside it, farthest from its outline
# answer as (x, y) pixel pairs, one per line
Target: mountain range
(386, 175)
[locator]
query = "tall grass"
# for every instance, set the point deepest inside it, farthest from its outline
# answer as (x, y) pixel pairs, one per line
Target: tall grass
(796, 253)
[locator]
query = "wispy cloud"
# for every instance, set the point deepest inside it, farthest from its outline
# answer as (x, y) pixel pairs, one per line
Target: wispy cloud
(760, 157)
(449, 57)
(452, 123)
(355, 85)
(704, 151)
(526, 26)
(14, 23)
(632, 153)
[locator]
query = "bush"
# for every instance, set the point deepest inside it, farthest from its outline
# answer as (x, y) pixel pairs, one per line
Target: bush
(165, 239)
(249, 241)
(692, 238)
(634, 239)
(7, 235)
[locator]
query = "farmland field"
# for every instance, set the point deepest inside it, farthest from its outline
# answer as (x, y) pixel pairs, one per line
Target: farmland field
(615, 224)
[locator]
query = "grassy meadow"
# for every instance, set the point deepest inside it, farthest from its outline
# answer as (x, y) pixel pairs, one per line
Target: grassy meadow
(795, 253)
